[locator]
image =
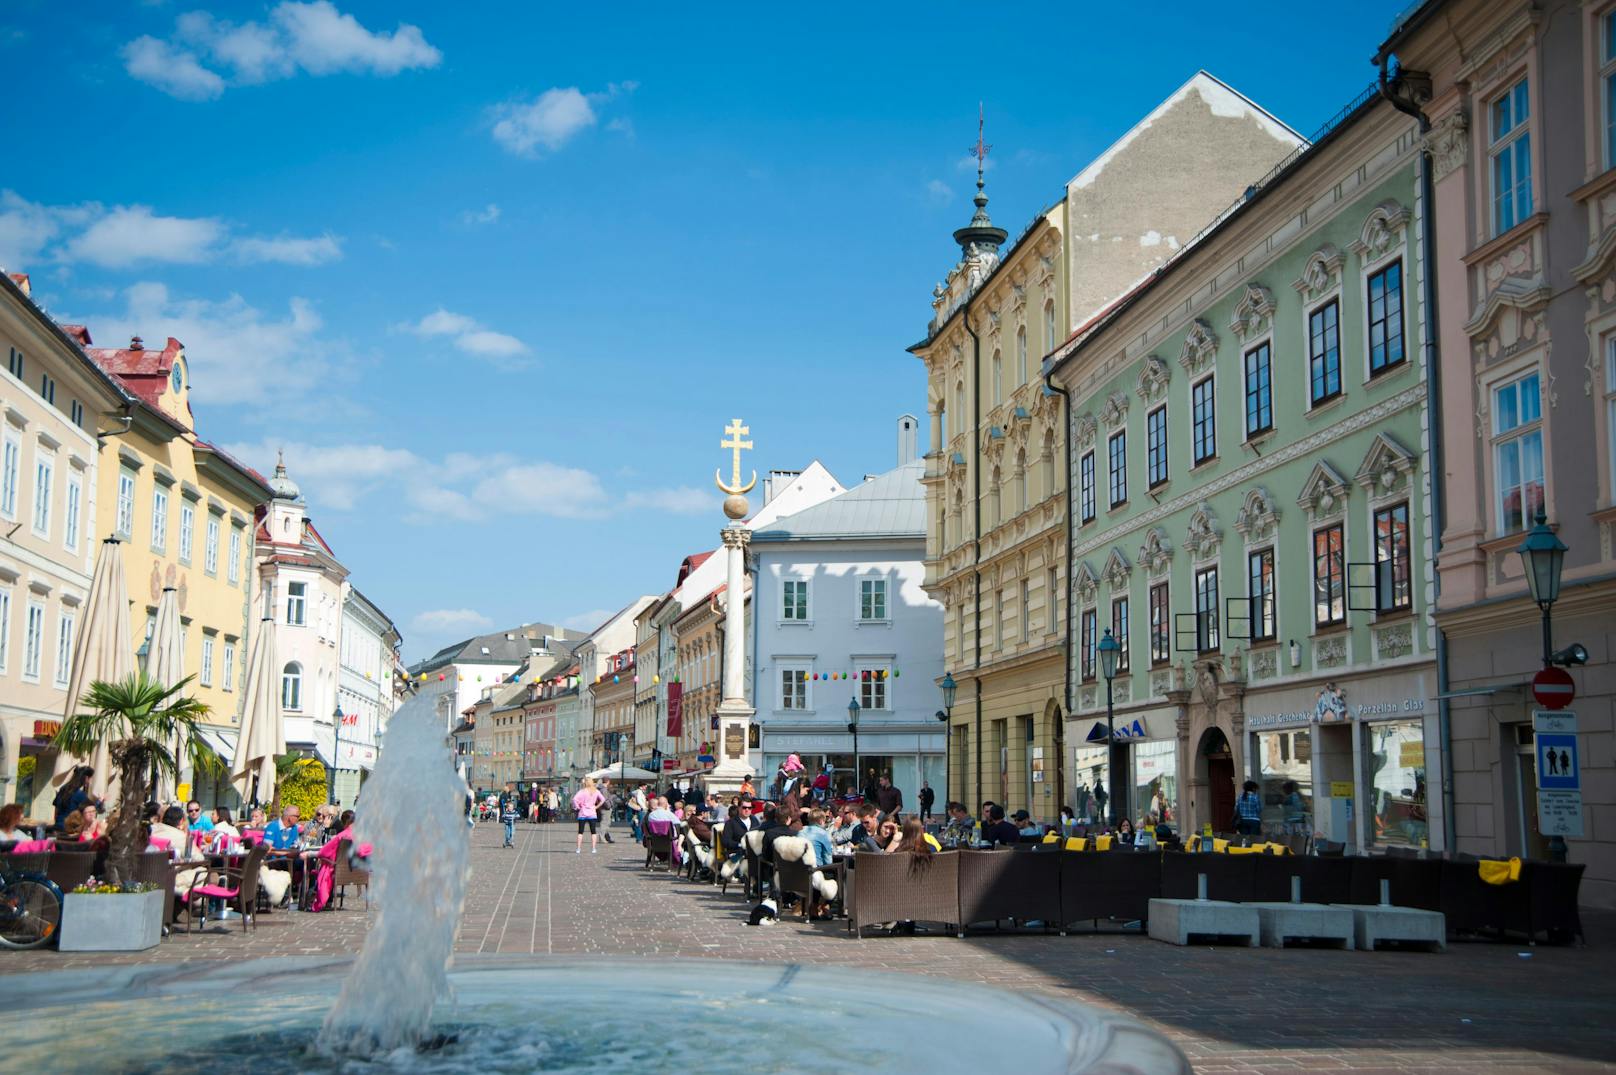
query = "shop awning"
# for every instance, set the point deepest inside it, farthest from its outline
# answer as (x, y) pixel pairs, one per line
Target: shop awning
(222, 740)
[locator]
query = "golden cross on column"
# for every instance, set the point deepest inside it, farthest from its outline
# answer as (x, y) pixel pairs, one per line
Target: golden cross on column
(735, 431)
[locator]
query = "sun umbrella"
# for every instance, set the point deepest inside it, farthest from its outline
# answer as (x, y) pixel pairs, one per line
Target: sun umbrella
(263, 736)
(101, 651)
(165, 662)
(623, 772)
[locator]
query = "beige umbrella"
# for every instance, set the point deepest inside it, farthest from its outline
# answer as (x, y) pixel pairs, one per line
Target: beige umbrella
(263, 736)
(102, 651)
(165, 662)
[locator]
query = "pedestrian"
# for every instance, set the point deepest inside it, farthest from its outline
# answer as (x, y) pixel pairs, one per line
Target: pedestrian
(586, 804)
(888, 798)
(1295, 809)
(509, 813)
(1248, 810)
(551, 802)
(927, 798)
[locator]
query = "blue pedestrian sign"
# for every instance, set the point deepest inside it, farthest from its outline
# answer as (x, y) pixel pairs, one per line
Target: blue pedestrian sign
(1557, 768)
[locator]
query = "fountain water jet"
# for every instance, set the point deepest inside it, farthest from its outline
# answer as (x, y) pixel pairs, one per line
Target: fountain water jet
(413, 815)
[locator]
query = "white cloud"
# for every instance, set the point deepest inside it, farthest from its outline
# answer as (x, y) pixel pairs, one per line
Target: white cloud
(587, 621)
(312, 37)
(939, 193)
(486, 215)
(679, 500)
(473, 338)
(26, 227)
(289, 251)
(175, 71)
(967, 163)
(131, 234)
(548, 121)
(238, 353)
(450, 619)
(543, 489)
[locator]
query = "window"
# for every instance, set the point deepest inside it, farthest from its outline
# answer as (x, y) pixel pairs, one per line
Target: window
(872, 599)
(998, 380)
(1161, 645)
(793, 688)
(1021, 356)
(1607, 73)
(1206, 609)
(187, 526)
(44, 478)
(10, 474)
(1051, 601)
(1329, 576)
(207, 662)
(159, 519)
(1156, 446)
(1090, 622)
(1085, 485)
(997, 612)
(1386, 318)
(1610, 408)
(1025, 609)
(1203, 418)
(47, 388)
(210, 546)
(64, 647)
(234, 566)
(292, 686)
(1259, 391)
(70, 517)
(1324, 353)
(1260, 592)
(1511, 151)
(33, 642)
(5, 628)
(75, 411)
(1049, 326)
(872, 689)
(1117, 452)
(1518, 451)
(1119, 631)
(297, 596)
(16, 364)
(794, 600)
(126, 503)
(1394, 569)
(229, 678)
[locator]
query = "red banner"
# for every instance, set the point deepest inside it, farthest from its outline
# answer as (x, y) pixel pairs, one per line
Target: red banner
(676, 710)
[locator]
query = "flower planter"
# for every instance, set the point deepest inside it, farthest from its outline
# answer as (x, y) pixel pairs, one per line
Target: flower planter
(131, 922)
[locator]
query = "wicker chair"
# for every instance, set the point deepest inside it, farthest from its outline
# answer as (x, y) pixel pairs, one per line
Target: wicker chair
(659, 844)
(1228, 877)
(995, 886)
(236, 885)
(69, 869)
(794, 876)
(1111, 886)
(344, 874)
(156, 868)
(885, 889)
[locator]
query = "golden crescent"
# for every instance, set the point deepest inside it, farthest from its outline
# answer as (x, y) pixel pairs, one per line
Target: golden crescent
(718, 479)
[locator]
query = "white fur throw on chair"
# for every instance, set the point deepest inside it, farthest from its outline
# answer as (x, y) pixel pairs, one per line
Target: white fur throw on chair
(796, 849)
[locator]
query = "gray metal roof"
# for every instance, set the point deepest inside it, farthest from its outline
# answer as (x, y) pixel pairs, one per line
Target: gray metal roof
(892, 505)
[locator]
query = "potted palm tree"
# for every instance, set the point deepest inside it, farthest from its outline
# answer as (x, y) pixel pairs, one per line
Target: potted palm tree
(148, 728)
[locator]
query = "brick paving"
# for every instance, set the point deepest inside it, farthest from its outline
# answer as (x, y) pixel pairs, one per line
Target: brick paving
(1480, 1006)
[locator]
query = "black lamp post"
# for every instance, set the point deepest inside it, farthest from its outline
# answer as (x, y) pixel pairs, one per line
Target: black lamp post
(336, 751)
(949, 687)
(1109, 648)
(852, 726)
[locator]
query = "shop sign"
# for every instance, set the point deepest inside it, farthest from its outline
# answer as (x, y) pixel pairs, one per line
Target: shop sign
(46, 729)
(1340, 789)
(1411, 755)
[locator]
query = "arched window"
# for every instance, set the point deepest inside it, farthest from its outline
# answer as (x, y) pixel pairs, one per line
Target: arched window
(1049, 326)
(1021, 480)
(1050, 479)
(993, 499)
(292, 686)
(1021, 356)
(998, 380)
(959, 404)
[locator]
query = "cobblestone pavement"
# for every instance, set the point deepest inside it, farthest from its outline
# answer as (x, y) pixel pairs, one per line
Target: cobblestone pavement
(1481, 1006)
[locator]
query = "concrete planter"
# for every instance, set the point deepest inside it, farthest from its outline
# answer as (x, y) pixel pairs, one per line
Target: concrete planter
(121, 923)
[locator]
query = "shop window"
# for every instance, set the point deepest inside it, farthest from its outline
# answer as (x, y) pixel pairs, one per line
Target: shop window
(1394, 763)
(1285, 776)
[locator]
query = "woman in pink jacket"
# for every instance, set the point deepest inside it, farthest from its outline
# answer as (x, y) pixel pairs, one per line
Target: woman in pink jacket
(587, 804)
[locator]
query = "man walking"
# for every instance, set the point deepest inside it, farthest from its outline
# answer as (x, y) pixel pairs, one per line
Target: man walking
(508, 813)
(927, 798)
(888, 798)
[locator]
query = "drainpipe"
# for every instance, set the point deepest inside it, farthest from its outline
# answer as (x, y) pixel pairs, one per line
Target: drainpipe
(1393, 91)
(976, 535)
(1066, 648)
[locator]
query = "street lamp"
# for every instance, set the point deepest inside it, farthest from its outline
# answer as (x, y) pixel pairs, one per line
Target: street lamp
(1109, 648)
(852, 726)
(949, 687)
(1543, 556)
(336, 753)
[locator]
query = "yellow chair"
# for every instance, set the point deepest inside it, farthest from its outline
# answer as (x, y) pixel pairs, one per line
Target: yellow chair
(1051, 838)
(1243, 850)
(1102, 843)
(1077, 843)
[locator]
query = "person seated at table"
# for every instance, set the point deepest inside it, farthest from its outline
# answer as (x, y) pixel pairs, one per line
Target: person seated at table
(1068, 821)
(257, 819)
(886, 835)
(72, 825)
(324, 880)
(660, 812)
(10, 818)
(866, 831)
(818, 837)
(960, 830)
(1026, 826)
(224, 832)
(999, 831)
(734, 831)
(915, 840)
(1124, 836)
(198, 821)
(282, 834)
(181, 848)
(840, 824)
(93, 826)
(700, 828)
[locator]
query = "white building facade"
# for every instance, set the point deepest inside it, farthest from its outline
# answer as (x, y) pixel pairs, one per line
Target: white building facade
(367, 653)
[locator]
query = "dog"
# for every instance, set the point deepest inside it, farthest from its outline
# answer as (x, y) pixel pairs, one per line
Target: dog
(766, 913)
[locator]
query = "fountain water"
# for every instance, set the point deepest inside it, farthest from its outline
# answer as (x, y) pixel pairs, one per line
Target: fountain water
(413, 815)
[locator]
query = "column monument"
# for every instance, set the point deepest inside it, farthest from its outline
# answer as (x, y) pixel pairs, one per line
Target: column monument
(734, 715)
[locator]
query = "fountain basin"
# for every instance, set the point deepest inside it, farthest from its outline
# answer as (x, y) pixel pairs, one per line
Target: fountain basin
(522, 1014)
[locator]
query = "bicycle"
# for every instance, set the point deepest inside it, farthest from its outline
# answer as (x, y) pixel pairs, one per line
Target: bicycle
(30, 909)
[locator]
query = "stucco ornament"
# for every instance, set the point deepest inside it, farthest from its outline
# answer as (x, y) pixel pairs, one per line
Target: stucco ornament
(1203, 536)
(1115, 410)
(1084, 428)
(1087, 583)
(1385, 466)
(1156, 554)
(1263, 664)
(1330, 706)
(1448, 142)
(1321, 273)
(1117, 570)
(1257, 516)
(1382, 229)
(1200, 347)
(1324, 493)
(1154, 376)
(1254, 313)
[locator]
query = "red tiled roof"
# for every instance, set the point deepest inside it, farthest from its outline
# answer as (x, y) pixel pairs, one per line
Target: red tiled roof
(79, 333)
(690, 564)
(21, 280)
(143, 371)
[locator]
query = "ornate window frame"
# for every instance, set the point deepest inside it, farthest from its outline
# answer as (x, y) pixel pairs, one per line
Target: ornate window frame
(1383, 240)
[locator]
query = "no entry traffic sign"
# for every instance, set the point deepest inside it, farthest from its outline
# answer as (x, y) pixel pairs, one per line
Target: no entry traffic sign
(1553, 688)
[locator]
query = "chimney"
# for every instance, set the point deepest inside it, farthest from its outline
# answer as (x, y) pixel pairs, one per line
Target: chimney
(908, 439)
(778, 482)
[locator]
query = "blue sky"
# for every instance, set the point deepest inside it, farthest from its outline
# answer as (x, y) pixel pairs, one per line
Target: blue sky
(495, 276)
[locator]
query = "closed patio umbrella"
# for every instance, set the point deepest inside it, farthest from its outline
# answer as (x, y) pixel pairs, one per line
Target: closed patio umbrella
(623, 772)
(102, 651)
(263, 736)
(165, 662)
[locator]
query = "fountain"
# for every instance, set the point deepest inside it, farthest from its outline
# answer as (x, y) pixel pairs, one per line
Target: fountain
(400, 1007)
